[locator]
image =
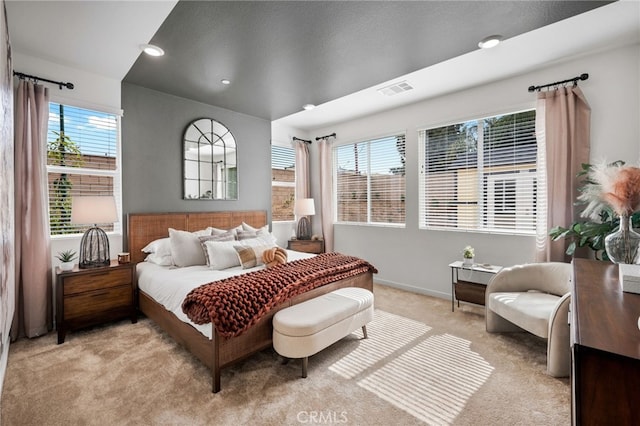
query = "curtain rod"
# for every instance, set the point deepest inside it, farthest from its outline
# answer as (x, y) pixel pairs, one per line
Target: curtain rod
(301, 140)
(60, 84)
(557, 83)
(326, 136)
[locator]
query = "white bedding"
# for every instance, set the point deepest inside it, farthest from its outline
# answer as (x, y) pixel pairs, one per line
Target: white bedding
(170, 285)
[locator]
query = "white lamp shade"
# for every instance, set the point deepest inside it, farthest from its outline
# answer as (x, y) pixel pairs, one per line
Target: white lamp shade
(93, 209)
(304, 207)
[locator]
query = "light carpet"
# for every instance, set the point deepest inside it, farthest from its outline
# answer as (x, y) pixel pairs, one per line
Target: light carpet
(422, 364)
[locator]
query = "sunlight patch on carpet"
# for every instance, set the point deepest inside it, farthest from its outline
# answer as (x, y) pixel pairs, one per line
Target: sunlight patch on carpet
(433, 380)
(387, 333)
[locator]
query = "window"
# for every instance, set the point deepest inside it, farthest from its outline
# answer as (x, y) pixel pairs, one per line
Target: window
(283, 183)
(480, 175)
(82, 159)
(370, 181)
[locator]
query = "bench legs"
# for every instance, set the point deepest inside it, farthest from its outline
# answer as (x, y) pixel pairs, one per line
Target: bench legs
(305, 360)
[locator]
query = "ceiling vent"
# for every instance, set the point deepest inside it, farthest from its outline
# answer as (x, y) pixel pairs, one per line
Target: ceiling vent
(395, 88)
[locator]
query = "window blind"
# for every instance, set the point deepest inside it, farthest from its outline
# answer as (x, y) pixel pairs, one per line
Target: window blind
(283, 178)
(82, 159)
(370, 181)
(480, 175)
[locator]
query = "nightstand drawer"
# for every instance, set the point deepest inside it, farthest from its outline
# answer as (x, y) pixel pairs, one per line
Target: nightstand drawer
(98, 301)
(98, 280)
(307, 246)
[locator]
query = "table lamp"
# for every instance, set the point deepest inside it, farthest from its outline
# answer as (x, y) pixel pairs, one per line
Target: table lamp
(304, 207)
(94, 246)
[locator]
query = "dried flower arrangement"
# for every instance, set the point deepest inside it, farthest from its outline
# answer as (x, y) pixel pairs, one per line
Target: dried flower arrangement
(615, 184)
(608, 191)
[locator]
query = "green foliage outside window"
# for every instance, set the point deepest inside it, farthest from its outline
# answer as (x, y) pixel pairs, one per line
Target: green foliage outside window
(62, 151)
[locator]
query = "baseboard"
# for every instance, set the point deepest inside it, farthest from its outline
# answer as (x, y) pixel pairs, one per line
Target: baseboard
(413, 289)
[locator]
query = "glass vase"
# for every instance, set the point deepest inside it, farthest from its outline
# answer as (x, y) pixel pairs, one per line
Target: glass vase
(622, 245)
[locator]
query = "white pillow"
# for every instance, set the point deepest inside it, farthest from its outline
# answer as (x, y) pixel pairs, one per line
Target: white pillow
(227, 236)
(186, 249)
(202, 232)
(221, 254)
(161, 247)
(166, 260)
(247, 227)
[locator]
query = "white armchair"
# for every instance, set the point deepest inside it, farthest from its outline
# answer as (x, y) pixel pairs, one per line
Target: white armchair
(534, 298)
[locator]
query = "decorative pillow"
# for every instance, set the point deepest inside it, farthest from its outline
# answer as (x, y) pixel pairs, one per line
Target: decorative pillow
(166, 260)
(161, 246)
(221, 254)
(274, 256)
(245, 235)
(250, 256)
(186, 249)
(218, 231)
(227, 236)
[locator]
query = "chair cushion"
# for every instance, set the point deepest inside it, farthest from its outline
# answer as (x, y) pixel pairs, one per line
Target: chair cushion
(528, 310)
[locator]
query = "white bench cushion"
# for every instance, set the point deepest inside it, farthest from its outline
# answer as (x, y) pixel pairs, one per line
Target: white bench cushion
(528, 310)
(316, 314)
(306, 328)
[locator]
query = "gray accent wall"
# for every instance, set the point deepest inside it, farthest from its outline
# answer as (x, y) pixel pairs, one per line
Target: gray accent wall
(152, 130)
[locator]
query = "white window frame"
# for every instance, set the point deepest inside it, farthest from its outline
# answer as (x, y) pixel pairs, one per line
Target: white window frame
(520, 176)
(369, 222)
(281, 183)
(115, 174)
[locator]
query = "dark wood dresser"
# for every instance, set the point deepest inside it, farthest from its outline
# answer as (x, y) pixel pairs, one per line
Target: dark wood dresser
(605, 340)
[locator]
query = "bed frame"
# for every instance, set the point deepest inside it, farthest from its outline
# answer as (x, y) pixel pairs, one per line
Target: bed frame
(218, 352)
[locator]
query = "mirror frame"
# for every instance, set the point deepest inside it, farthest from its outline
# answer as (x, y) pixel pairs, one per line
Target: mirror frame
(214, 183)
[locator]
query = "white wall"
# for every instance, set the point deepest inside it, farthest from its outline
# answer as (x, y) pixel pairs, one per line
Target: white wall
(417, 259)
(283, 135)
(91, 91)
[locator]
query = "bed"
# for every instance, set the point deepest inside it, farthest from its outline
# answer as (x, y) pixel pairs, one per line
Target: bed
(216, 352)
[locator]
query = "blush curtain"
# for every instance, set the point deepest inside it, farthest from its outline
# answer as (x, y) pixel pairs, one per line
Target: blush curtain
(326, 190)
(563, 121)
(33, 314)
(303, 183)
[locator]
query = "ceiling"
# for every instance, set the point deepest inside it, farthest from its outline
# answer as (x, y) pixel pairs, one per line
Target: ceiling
(282, 55)
(102, 37)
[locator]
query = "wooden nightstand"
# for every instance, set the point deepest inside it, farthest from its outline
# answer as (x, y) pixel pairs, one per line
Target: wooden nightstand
(86, 297)
(307, 246)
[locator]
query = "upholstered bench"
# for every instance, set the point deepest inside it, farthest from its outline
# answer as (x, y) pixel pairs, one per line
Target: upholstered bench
(305, 329)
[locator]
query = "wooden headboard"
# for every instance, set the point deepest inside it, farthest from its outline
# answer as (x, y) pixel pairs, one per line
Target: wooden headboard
(142, 228)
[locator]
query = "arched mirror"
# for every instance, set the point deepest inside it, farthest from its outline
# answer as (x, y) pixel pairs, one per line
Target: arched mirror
(210, 161)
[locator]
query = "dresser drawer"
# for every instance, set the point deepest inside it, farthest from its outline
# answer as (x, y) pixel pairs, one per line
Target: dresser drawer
(97, 280)
(95, 302)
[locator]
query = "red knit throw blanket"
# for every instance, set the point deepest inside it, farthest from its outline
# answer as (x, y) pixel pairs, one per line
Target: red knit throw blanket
(234, 304)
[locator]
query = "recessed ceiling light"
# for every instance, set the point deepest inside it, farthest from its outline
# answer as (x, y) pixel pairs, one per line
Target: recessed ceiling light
(308, 107)
(152, 50)
(489, 42)
(225, 81)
